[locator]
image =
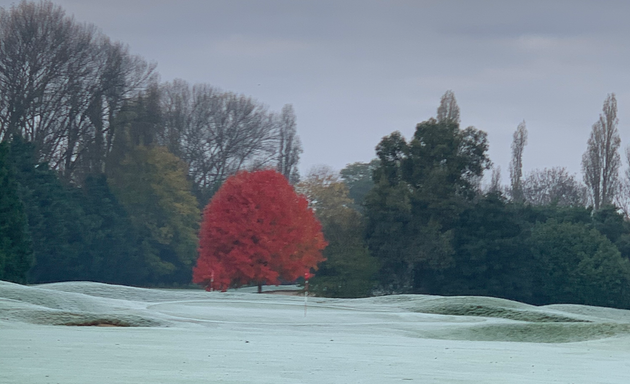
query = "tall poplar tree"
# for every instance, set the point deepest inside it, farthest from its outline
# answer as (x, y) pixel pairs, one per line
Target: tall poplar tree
(516, 164)
(289, 146)
(601, 161)
(448, 111)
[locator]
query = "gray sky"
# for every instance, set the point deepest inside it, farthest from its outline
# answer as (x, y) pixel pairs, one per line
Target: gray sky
(356, 71)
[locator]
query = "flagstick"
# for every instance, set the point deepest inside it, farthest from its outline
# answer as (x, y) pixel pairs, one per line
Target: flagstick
(305, 296)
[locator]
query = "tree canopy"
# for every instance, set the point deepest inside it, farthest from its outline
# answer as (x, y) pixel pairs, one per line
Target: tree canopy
(579, 265)
(15, 244)
(420, 189)
(151, 184)
(349, 269)
(257, 229)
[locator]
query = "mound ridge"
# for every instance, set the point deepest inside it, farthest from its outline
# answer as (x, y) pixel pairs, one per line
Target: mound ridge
(38, 305)
(122, 292)
(506, 320)
(437, 317)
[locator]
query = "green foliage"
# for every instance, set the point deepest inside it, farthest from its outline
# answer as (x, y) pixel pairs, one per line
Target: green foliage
(444, 161)
(490, 254)
(15, 245)
(420, 189)
(151, 184)
(540, 255)
(358, 179)
(54, 218)
(389, 217)
(77, 233)
(575, 264)
(82, 232)
(349, 269)
(612, 224)
(111, 245)
(575, 214)
(433, 233)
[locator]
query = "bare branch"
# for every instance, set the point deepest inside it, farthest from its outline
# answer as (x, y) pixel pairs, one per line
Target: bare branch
(553, 186)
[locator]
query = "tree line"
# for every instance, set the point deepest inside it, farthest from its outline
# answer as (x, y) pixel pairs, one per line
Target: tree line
(419, 219)
(105, 169)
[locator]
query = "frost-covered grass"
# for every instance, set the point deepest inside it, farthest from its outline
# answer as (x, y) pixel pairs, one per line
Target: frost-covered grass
(188, 336)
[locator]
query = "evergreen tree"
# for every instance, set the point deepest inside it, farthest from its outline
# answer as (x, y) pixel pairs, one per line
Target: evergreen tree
(420, 189)
(612, 224)
(578, 265)
(490, 253)
(112, 252)
(55, 218)
(15, 245)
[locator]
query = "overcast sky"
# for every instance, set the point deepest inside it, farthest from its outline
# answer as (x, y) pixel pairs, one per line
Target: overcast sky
(356, 71)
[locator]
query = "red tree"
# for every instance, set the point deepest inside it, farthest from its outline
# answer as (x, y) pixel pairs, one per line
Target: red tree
(256, 229)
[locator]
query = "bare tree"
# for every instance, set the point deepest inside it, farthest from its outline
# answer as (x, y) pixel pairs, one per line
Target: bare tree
(622, 199)
(448, 109)
(177, 111)
(118, 78)
(62, 84)
(553, 186)
(495, 181)
(36, 44)
(289, 146)
(601, 161)
(519, 142)
(217, 133)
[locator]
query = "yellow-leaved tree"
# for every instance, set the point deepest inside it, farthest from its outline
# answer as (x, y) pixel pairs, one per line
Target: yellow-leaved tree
(151, 184)
(349, 269)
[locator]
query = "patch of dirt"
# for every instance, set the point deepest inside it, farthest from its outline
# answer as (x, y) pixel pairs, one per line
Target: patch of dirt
(505, 313)
(98, 324)
(285, 293)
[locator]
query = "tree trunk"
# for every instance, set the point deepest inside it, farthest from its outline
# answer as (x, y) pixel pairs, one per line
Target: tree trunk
(259, 287)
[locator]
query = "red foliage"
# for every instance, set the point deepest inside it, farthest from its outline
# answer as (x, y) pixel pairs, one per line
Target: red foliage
(257, 230)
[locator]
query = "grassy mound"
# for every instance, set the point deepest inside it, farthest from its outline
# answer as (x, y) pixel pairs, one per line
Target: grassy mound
(36, 305)
(533, 332)
(498, 312)
(456, 318)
